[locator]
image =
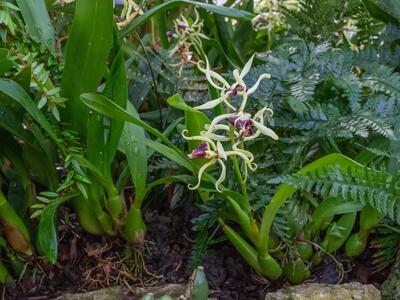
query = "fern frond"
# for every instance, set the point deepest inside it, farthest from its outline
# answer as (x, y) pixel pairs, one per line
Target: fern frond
(378, 188)
(199, 249)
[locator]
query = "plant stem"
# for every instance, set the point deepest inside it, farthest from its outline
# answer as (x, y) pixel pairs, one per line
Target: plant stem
(243, 186)
(236, 167)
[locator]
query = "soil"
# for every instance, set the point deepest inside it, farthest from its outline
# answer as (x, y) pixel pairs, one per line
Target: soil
(88, 262)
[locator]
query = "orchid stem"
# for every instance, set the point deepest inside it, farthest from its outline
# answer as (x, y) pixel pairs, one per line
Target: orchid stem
(236, 167)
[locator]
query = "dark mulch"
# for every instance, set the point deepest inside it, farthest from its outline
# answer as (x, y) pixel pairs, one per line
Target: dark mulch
(87, 262)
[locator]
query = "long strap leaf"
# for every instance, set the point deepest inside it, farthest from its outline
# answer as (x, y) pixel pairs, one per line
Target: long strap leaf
(220, 10)
(88, 47)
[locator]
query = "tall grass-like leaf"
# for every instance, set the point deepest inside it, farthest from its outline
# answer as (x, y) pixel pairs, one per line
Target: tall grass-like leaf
(105, 106)
(133, 145)
(169, 153)
(88, 47)
(117, 89)
(220, 10)
(38, 22)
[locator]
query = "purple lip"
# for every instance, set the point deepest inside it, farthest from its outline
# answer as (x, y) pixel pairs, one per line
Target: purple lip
(245, 133)
(236, 89)
(170, 34)
(200, 151)
(181, 26)
(240, 123)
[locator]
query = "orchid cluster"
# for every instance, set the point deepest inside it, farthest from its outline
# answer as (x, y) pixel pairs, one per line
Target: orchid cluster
(235, 126)
(188, 35)
(129, 12)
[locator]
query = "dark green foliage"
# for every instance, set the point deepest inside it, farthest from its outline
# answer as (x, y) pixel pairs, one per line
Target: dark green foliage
(378, 188)
(386, 243)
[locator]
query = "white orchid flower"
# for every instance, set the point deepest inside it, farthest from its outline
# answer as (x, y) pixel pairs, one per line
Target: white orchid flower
(237, 125)
(258, 123)
(215, 152)
(248, 128)
(227, 90)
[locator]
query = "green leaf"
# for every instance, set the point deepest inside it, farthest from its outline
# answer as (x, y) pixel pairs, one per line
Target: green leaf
(378, 12)
(5, 63)
(38, 22)
(285, 191)
(16, 92)
(343, 208)
(87, 52)
(133, 146)
(220, 10)
(194, 119)
(106, 107)
(168, 179)
(10, 122)
(47, 233)
(170, 154)
(117, 90)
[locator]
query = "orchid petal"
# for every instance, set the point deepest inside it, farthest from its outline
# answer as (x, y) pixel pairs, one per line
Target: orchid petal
(209, 104)
(218, 127)
(260, 114)
(247, 67)
(185, 21)
(244, 102)
(211, 74)
(255, 86)
(245, 152)
(252, 137)
(240, 154)
(173, 50)
(265, 130)
(217, 137)
(221, 151)
(200, 174)
(237, 77)
(225, 100)
(199, 138)
(203, 36)
(222, 176)
(197, 19)
(218, 119)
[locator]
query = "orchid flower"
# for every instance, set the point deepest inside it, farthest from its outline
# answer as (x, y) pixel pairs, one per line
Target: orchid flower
(227, 90)
(215, 152)
(129, 12)
(237, 126)
(248, 128)
(188, 34)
